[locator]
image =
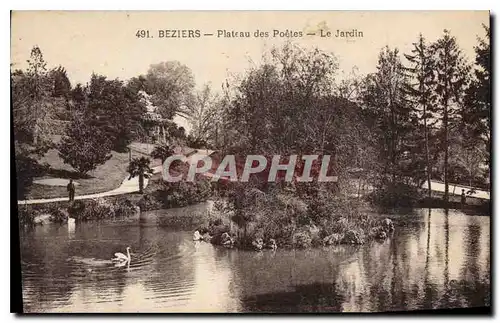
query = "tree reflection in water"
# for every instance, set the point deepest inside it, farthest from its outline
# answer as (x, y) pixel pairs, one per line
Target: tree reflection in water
(433, 260)
(417, 270)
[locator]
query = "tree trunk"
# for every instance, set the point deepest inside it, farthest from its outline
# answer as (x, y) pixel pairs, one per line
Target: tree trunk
(35, 133)
(427, 159)
(216, 135)
(141, 183)
(446, 179)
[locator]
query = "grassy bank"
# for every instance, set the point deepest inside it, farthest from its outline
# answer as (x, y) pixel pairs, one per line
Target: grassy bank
(104, 178)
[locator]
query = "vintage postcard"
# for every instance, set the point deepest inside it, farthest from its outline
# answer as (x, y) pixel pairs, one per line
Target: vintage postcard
(252, 161)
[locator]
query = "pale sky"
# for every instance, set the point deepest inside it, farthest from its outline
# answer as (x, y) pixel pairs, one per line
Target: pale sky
(104, 42)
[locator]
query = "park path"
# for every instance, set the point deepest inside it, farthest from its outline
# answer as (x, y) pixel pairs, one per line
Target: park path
(127, 186)
(132, 185)
(456, 189)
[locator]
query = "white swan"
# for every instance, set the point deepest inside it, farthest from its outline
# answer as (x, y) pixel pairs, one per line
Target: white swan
(121, 257)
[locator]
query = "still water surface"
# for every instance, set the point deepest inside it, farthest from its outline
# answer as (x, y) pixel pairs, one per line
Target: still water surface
(433, 260)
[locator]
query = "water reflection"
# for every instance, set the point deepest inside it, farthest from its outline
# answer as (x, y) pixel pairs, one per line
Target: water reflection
(435, 265)
(435, 259)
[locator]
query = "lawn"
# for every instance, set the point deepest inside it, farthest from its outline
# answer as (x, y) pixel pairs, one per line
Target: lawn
(104, 178)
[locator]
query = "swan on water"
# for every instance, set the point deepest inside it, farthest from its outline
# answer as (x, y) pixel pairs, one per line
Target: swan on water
(121, 257)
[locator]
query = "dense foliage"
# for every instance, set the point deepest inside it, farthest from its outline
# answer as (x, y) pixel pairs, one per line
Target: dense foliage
(84, 146)
(420, 116)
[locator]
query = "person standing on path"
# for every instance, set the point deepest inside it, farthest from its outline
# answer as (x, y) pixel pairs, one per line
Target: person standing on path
(71, 190)
(463, 199)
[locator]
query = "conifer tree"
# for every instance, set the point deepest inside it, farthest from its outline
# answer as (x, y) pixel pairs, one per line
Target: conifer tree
(420, 91)
(451, 81)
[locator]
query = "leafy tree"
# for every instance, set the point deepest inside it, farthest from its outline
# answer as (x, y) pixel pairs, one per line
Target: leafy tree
(288, 105)
(30, 93)
(452, 77)
(115, 110)
(79, 96)
(170, 84)
(140, 83)
(140, 167)
(387, 109)
(420, 91)
(32, 118)
(61, 83)
(467, 155)
(274, 108)
(348, 88)
(202, 114)
(180, 133)
(84, 146)
(194, 142)
(477, 110)
(162, 152)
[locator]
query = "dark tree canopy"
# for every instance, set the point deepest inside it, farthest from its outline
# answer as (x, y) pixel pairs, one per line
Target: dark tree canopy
(62, 85)
(84, 146)
(115, 110)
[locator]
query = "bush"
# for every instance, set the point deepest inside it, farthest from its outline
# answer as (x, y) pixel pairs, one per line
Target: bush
(302, 240)
(297, 221)
(150, 202)
(396, 195)
(124, 208)
(26, 215)
(58, 215)
(177, 194)
(91, 210)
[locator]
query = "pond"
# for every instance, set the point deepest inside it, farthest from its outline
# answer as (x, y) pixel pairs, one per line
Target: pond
(435, 259)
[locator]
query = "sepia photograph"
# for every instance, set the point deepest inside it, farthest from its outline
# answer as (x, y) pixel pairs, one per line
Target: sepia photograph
(251, 161)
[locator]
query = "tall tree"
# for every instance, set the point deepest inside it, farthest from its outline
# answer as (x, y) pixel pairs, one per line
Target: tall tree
(79, 96)
(31, 91)
(114, 109)
(477, 110)
(452, 77)
(202, 113)
(32, 118)
(420, 91)
(287, 105)
(171, 85)
(386, 106)
(277, 106)
(61, 83)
